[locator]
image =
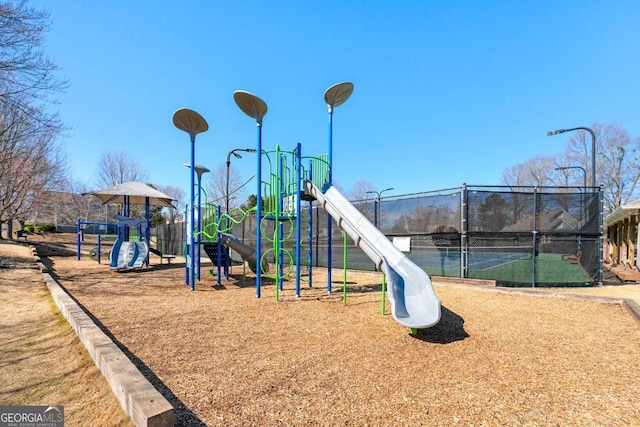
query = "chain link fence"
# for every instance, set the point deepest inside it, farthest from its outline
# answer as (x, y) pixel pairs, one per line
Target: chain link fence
(516, 236)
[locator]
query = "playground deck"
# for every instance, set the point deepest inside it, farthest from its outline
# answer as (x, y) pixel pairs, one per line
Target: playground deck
(224, 357)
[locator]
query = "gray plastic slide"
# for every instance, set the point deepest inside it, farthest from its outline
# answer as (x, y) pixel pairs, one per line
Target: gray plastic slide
(246, 252)
(414, 303)
(130, 254)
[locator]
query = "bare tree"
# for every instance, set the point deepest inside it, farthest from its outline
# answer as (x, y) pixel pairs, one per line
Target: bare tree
(537, 171)
(360, 190)
(27, 76)
(180, 200)
(31, 162)
(616, 161)
(362, 193)
(216, 186)
(117, 168)
(66, 207)
(617, 169)
(76, 206)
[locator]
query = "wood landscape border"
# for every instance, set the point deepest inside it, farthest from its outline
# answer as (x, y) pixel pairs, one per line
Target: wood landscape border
(137, 396)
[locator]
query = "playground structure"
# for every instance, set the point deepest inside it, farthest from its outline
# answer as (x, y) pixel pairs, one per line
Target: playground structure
(211, 232)
(285, 224)
(281, 188)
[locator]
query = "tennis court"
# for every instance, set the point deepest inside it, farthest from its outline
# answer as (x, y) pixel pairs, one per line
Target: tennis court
(448, 259)
(509, 265)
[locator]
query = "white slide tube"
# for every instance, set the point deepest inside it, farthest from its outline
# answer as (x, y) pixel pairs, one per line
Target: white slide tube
(413, 302)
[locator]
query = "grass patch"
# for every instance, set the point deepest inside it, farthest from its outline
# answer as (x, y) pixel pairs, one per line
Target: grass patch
(42, 361)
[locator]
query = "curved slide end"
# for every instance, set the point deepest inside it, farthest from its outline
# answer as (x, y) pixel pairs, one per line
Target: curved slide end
(128, 255)
(114, 255)
(414, 304)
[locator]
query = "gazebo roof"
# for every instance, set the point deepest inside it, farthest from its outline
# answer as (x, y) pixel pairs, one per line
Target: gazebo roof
(138, 193)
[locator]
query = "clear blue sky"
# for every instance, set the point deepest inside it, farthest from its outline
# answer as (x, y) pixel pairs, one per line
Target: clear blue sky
(446, 92)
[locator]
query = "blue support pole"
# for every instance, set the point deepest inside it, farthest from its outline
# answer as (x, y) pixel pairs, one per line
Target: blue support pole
(125, 208)
(310, 259)
(118, 228)
(192, 275)
(259, 213)
(199, 228)
(298, 190)
(229, 230)
(79, 231)
(186, 264)
(219, 248)
(329, 225)
(147, 210)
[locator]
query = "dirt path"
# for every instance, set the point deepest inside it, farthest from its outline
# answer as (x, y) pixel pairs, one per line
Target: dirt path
(42, 362)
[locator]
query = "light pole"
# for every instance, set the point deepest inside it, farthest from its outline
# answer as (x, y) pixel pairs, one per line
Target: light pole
(200, 170)
(334, 96)
(237, 156)
(255, 108)
(193, 123)
(593, 149)
(584, 180)
(584, 173)
(376, 206)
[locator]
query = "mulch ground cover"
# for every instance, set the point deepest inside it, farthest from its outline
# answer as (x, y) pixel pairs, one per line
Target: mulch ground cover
(224, 357)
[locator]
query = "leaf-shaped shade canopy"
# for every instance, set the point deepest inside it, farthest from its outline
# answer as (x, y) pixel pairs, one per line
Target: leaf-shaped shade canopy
(190, 122)
(338, 94)
(250, 104)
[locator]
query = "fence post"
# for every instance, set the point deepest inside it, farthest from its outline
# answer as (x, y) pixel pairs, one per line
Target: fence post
(463, 232)
(601, 230)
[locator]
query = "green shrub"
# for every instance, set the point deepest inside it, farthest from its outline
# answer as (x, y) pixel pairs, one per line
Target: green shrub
(28, 228)
(45, 228)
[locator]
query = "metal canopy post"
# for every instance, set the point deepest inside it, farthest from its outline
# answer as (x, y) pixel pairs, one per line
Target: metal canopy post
(255, 108)
(334, 96)
(192, 123)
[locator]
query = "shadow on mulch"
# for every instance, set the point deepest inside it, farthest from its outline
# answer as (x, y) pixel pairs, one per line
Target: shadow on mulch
(145, 269)
(241, 281)
(53, 249)
(450, 329)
